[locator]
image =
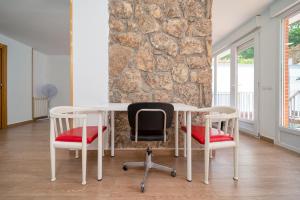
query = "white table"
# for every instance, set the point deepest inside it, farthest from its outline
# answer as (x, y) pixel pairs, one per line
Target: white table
(178, 107)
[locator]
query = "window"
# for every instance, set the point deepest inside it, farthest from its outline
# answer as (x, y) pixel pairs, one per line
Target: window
(245, 89)
(290, 95)
(235, 80)
(222, 90)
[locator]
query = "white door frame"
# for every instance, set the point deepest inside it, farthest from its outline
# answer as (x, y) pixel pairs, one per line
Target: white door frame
(251, 127)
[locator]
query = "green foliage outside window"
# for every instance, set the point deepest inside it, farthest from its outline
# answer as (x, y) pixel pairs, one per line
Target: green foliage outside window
(294, 34)
(244, 57)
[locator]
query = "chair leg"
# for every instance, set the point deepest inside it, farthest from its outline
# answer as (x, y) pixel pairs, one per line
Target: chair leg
(211, 154)
(236, 163)
(76, 153)
(162, 167)
(52, 158)
(127, 165)
(206, 165)
(184, 145)
(145, 178)
(148, 165)
(103, 153)
(84, 153)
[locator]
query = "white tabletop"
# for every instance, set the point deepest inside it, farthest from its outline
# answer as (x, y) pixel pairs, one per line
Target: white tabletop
(124, 106)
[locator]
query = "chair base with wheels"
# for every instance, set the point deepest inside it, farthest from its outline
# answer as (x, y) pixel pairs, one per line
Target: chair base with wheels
(148, 164)
(149, 122)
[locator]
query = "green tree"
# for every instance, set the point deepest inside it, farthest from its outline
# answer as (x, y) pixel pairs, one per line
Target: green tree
(294, 34)
(246, 56)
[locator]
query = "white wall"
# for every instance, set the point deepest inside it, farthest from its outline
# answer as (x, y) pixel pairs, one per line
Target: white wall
(55, 70)
(268, 28)
(19, 81)
(39, 72)
(90, 52)
(58, 74)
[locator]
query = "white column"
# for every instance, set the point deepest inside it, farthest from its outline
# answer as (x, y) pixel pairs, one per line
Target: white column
(90, 33)
(90, 52)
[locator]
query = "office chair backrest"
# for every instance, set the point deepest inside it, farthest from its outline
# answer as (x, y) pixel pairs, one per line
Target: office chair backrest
(149, 121)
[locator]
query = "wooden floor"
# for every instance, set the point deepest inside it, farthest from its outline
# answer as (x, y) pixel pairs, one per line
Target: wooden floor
(266, 172)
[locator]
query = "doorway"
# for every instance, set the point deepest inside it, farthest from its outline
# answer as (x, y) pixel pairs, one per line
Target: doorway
(247, 83)
(3, 86)
(236, 81)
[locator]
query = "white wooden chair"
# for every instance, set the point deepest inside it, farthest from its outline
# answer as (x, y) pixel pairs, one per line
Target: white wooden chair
(221, 130)
(80, 136)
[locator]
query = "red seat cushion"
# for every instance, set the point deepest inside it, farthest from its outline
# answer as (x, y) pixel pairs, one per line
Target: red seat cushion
(75, 134)
(198, 133)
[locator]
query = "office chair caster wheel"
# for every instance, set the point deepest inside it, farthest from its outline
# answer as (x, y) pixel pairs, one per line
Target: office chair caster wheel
(173, 173)
(142, 187)
(125, 168)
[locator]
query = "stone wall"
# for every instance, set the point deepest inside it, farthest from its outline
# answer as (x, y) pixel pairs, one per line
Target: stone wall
(160, 50)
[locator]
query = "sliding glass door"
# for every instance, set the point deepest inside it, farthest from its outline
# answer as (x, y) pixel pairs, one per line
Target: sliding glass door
(235, 81)
(221, 92)
(245, 86)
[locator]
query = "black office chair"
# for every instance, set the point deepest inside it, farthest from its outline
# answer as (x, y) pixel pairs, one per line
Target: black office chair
(148, 122)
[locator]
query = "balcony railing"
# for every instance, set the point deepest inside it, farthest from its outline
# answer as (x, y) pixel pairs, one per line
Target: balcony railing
(294, 109)
(245, 103)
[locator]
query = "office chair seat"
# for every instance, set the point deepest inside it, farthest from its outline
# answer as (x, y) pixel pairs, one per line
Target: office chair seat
(146, 135)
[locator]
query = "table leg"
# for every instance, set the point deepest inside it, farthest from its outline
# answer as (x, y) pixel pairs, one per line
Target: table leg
(184, 135)
(100, 146)
(112, 134)
(176, 133)
(189, 147)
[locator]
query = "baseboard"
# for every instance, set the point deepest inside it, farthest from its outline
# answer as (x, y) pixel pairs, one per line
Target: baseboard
(289, 148)
(37, 118)
(248, 134)
(20, 123)
(266, 139)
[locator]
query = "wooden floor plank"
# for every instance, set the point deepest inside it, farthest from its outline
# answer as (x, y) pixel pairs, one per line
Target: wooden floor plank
(266, 172)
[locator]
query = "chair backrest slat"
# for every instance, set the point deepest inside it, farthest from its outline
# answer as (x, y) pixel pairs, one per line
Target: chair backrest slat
(224, 117)
(219, 125)
(67, 124)
(232, 127)
(63, 115)
(55, 126)
(60, 125)
(226, 126)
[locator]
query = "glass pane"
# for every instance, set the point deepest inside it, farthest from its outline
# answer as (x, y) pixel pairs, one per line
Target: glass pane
(245, 96)
(291, 73)
(222, 95)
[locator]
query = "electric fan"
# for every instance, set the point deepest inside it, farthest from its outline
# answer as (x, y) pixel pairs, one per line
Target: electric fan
(49, 91)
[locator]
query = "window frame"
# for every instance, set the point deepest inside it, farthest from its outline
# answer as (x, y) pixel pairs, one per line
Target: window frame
(288, 14)
(250, 43)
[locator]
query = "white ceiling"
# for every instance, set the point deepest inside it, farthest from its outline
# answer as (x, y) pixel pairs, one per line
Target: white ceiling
(227, 15)
(44, 24)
